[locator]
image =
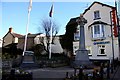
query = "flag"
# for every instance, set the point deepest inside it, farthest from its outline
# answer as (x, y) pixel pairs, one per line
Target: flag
(30, 6)
(51, 11)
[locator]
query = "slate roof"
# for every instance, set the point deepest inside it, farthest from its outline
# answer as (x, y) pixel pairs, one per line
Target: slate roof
(31, 35)
(16, 35)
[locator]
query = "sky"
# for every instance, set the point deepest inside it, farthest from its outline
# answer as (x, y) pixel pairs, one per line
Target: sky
(15, 13)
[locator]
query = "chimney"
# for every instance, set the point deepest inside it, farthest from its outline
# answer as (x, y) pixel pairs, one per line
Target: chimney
(10, 29)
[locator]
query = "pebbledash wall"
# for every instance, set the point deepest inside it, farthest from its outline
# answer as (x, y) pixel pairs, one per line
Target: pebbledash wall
(98, 38)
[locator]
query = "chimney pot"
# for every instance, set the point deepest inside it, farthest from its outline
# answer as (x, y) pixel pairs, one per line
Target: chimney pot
(10, 30)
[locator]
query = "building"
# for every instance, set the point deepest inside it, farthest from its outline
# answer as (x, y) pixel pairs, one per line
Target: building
(0, 42)
(68, 38)
(10, 41)
(30, 41)
(55, 47)
(0, 46)
(100, 39)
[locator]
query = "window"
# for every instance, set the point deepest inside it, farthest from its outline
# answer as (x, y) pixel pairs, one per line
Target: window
(75, 48)
(101, 49)
(97, 31)
(96, 15)
(77, 34)
(89, 50)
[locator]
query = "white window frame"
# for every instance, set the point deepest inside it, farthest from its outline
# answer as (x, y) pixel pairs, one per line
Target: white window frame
(89, 50)
(99, 49)
(75, 48)
(100, 33)
(97, 14)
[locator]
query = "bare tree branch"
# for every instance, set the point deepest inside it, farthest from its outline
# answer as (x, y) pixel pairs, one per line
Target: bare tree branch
(46, 24)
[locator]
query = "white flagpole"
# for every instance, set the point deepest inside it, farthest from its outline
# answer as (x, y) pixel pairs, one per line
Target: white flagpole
(50, 48)
(29, 9)
(50, 40)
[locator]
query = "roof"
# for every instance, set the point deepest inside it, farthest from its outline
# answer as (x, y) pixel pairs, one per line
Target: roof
(31, 35)
(98, 22)
(72, 21)
(97, 3)
(16, 35)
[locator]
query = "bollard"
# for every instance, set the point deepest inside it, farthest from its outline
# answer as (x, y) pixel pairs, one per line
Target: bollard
(74, 71)
(94, 74)
(86, 77)
(81, 74)
(12, 75)
(101, 72)
(111, 67)
(108, 70)
(67, 76)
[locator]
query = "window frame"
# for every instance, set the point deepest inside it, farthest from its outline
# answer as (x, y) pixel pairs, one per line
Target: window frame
(90, 50)
(98, 34)
(77, 34)
(99, 49)
(96, 14)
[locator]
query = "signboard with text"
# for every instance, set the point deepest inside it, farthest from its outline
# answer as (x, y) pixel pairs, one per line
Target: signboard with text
(106, 42)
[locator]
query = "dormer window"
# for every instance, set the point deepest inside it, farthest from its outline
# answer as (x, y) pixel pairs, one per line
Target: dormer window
(96, 15)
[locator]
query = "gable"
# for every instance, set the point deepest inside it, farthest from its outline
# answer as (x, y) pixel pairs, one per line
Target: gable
(97, 4)
(8, 39)
(8, 36)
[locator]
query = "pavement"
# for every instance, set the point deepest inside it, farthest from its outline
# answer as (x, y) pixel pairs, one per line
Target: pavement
(116, 74)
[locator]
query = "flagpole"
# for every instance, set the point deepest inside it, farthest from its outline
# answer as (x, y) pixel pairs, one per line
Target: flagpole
(50, 15)
(50, 40)
(29, 10)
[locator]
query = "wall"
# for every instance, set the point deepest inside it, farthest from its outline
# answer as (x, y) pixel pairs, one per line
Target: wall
(8, 39)
(105, 17)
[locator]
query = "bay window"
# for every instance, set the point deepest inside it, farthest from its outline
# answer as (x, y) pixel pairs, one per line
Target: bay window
(97, 31)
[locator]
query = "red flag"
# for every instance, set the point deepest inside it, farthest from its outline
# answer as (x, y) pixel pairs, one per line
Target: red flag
(51, 11)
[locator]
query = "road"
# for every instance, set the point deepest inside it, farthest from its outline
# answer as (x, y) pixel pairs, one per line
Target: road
(51, 73)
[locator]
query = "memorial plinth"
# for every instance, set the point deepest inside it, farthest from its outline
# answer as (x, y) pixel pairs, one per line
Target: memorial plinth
(28, 57)
(28, 60)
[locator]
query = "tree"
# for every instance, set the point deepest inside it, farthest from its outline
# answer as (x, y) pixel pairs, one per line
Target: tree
(47, 24)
